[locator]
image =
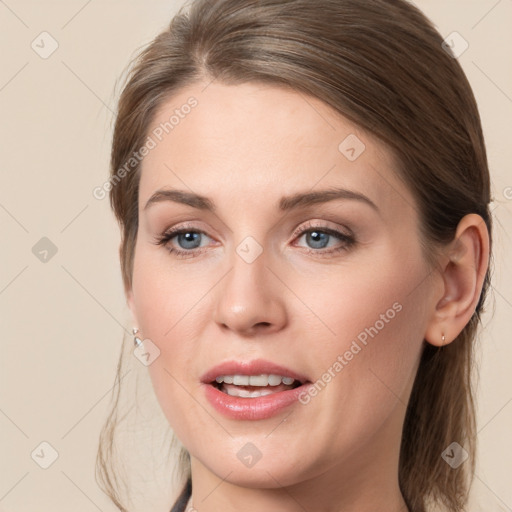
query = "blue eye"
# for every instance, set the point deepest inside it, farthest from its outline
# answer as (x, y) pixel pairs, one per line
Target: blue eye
(190, 242)
(317, 238)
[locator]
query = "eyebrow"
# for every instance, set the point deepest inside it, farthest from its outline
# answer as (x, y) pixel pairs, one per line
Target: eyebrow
(286, 203)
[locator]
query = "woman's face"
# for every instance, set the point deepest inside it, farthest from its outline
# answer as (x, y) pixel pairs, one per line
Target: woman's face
(330, 290)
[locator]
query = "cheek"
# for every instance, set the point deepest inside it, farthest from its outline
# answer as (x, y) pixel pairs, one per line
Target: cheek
(370, 323)
(170, 306)
(375, 318)
(369, 297)
(166, 292)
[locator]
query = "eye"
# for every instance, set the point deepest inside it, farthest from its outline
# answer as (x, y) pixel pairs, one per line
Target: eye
(187, 239)
(186, 242)
(320, 237)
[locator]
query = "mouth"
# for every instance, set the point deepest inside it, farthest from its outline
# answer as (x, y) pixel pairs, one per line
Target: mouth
(252, 390)
(254, 386)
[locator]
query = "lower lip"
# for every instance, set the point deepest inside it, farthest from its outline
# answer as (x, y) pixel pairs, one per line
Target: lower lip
(259, 408)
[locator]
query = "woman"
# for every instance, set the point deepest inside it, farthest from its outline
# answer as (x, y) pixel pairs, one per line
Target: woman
(303, 194)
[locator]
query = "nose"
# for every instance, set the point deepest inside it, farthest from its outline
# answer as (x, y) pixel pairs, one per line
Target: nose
(250, 298)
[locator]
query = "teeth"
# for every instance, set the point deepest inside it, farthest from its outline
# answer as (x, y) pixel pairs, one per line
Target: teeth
(241, 380)
(274, 380)
(244, 393)
(258, 380)
(255, 380)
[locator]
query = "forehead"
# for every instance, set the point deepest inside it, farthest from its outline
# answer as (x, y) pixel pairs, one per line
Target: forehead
(227, 140)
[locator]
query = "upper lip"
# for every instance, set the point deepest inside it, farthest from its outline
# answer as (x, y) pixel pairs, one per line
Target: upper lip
(254, 367)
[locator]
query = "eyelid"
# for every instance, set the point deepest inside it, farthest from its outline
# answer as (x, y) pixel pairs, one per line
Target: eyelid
(321, 226)
(179, 229)
(185, 226)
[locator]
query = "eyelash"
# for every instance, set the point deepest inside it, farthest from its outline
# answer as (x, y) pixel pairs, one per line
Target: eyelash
(348, 240)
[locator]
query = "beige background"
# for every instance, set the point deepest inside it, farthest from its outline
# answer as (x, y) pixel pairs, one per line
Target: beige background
(62, 321)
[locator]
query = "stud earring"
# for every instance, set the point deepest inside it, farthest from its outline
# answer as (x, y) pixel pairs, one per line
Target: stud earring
(136, 340)
(443, 338)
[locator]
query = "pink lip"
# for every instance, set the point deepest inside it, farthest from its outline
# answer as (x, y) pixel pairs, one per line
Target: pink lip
(251, 408)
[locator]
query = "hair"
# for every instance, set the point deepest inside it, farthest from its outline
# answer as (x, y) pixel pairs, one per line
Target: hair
(381, 64)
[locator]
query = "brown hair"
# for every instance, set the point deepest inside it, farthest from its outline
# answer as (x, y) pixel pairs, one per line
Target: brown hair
(381, 64)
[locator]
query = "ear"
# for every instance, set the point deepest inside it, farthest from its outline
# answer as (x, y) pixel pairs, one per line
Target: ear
(463, 272)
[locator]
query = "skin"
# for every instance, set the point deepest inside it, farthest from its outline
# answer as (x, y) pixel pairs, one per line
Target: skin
(245, 147)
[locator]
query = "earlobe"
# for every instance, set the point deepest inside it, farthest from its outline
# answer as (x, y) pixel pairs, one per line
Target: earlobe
(463, 271)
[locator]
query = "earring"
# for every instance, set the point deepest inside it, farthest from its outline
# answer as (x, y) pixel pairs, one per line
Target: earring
(136, 340)
(442, 338)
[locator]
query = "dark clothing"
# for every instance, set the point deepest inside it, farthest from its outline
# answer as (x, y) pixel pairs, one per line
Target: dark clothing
(183, 498)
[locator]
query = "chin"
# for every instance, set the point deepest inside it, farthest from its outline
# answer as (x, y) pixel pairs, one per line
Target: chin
(268, 476)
